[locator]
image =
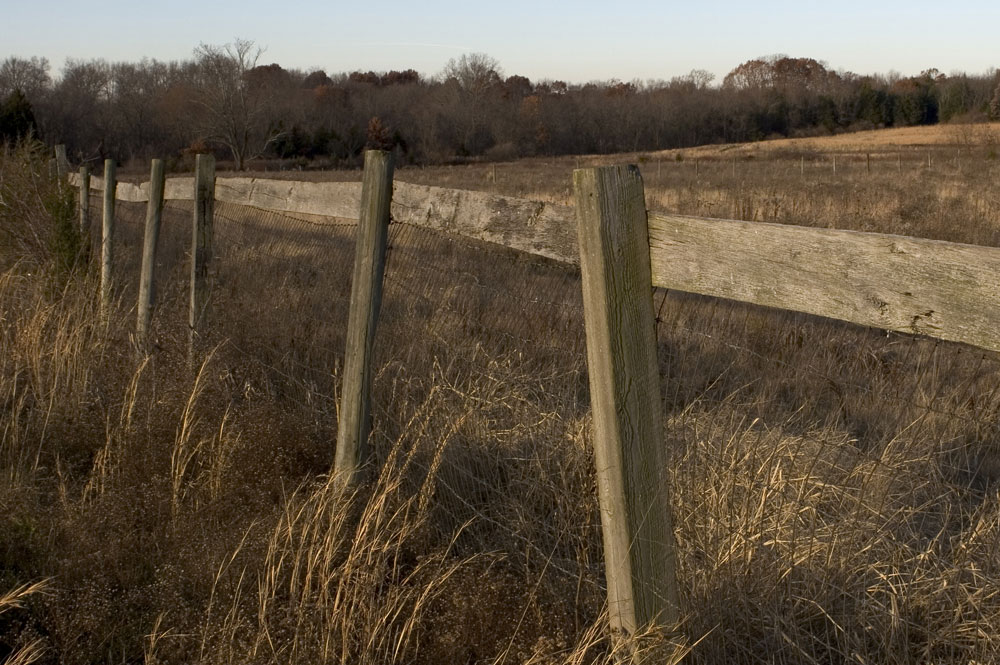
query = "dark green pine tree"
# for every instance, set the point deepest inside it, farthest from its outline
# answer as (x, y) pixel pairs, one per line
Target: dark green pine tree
(17, 119)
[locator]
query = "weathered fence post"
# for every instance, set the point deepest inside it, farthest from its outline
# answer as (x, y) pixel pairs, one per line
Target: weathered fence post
(366, 298)
(201, 246)
(85, 205)
(62, 163)
(625, 397)
(154, 210)
(107, 234)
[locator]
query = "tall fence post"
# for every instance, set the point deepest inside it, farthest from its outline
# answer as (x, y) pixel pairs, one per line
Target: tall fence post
(629, 449)
(107, 234)
(85, 205)
(366, 298)
(154, 209)
(202, 235)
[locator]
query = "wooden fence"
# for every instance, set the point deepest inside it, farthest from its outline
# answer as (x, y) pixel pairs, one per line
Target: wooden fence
(939, 289)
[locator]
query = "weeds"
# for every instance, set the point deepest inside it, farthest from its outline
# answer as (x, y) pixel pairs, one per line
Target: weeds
(37, 216)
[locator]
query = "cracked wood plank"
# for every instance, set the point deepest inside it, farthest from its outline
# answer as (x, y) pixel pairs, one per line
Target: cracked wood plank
(945, 290)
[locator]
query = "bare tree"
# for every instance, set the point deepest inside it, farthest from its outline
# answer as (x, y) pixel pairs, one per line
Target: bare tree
(78, 110)
(474, 72)
(30, 76)
(234, 109)
(476, 81)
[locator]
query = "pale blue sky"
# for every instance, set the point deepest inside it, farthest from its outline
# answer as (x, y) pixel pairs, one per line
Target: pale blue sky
(625, 40)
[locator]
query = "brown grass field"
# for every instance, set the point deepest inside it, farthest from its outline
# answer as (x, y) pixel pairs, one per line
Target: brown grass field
(835, 490)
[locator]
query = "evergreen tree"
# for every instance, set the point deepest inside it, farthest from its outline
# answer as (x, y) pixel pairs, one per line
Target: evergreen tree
(17, 119)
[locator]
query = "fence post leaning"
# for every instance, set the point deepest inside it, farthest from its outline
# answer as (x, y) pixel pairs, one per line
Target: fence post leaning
(107, 234)
(366, 298)
(202, 235)
(154, 209)
(85, 206)
(629, 449)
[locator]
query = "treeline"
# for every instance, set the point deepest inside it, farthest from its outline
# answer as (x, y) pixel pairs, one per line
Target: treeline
(224, 100)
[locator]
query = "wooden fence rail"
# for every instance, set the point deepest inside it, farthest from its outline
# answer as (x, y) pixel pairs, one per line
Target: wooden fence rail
(912, 285)
(945, 290)
(544, 229)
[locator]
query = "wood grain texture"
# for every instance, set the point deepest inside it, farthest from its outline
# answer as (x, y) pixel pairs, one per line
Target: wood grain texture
(332, 199)
(945, 290)
(629, 452)
(154, 210)
(544, 229)
(107, 234)
(366, 298)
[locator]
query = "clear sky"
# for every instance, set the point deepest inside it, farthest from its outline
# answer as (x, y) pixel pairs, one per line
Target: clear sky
(594, 40)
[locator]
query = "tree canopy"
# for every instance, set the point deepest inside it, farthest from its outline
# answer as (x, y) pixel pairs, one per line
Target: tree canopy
(226, 100)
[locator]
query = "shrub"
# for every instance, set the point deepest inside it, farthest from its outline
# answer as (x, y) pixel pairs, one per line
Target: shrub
(37, 214)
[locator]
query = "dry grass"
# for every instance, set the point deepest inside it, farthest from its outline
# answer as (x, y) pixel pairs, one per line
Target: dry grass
(835, 490)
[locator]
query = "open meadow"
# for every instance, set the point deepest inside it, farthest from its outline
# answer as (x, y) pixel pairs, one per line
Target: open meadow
(835, 489)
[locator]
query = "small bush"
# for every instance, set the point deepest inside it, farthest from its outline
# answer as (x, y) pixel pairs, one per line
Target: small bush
(37, 214)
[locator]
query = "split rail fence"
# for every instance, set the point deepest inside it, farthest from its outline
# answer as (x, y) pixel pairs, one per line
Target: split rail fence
(624, 262)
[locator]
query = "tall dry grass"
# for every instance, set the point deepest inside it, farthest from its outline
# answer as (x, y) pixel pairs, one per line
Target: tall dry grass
(834, 489)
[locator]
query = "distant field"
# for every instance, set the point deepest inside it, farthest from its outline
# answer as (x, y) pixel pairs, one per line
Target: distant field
(892, 159)
(939, 182)
(972, 135)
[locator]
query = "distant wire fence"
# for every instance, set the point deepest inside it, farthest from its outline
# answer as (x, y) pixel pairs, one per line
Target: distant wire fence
(304, 267)
(262, 259)
(791, 439)
(497, 335)
(465, 327)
